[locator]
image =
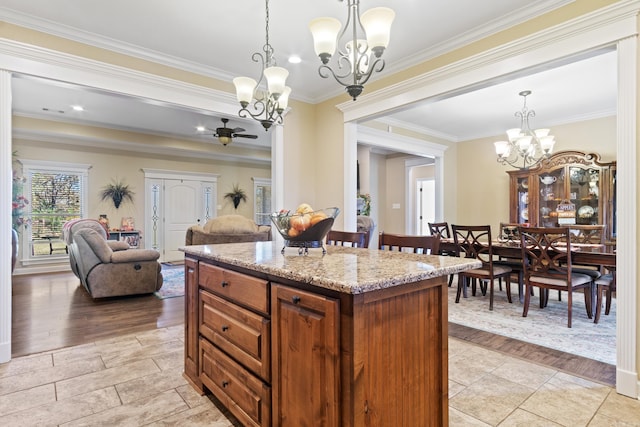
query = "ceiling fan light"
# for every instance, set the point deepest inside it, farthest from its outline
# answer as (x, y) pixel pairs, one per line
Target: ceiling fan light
(225, 139)
(325, 35)
(244, 89)
(276, 80)
(377, 25)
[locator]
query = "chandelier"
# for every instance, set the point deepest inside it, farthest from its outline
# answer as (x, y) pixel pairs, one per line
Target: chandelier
(525, 145)
(367, 38)
(268, 105)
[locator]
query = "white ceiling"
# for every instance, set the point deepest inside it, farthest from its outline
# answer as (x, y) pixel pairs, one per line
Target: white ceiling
(217, 38)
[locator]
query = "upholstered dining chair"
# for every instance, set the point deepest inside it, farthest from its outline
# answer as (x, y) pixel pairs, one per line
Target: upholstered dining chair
(403, 242)
(442, 230)
(548, 254)
(356, 239)
(475, 242)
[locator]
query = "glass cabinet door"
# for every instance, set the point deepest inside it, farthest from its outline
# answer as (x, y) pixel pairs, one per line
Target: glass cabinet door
(585, 193)
(552, 193)
(523, 200)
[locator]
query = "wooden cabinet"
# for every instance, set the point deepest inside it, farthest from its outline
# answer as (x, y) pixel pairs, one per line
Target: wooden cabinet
(306, 352)
(276, 352)
(570, 187)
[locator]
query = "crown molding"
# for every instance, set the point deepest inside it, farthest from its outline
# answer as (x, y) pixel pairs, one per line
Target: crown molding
(31, 60)
(129, 146)
(612, 23)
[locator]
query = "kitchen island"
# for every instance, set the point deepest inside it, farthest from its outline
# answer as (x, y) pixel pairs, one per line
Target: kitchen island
(355, 337)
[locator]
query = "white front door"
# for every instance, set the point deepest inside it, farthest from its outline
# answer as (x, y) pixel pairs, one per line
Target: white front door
(182, 207)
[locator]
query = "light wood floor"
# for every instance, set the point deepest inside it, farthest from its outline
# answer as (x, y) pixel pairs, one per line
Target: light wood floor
(52, 311)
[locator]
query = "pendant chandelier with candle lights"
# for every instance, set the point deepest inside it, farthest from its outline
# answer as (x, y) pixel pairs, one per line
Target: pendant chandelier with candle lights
(366, 36)
(525, 146)
(264, 105)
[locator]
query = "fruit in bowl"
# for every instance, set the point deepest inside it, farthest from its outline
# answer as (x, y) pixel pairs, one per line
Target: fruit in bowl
(305, 224)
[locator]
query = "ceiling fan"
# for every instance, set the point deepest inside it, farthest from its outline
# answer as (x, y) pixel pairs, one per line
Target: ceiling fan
(225, 135)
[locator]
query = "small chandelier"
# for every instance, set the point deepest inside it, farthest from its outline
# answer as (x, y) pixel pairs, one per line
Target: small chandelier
(525, 145)
(368, 37)
(268, 105)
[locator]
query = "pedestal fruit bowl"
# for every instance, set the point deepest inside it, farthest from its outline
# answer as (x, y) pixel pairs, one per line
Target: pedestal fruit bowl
(305, 228)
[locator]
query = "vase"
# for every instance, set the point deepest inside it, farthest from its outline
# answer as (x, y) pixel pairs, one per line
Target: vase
(14, 248)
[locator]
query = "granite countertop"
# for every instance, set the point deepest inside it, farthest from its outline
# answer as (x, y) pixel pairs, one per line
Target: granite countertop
(343, 269)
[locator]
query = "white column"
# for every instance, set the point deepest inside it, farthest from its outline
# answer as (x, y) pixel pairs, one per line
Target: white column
(277, 175)
(350, 176)
(5, 215)
(627, 292)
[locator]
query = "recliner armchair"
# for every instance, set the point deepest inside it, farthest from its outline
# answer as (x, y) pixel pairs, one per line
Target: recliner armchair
(105, 272)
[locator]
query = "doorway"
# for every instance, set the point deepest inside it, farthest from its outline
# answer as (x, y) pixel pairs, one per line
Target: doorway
(174, 202)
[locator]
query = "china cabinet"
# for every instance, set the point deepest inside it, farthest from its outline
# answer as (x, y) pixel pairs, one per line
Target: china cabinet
(570, 187)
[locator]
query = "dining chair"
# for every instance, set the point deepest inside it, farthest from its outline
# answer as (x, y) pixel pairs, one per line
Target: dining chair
(475, 242)
(508, 233)
(605, 287)
(417, 244)
(547, 251)
(442, 230)
(587, 235)
(354, 239)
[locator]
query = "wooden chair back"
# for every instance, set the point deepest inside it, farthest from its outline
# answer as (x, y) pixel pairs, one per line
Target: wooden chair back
(549, 265)
(418, 244)
(509, 231)
(356, 239)
(590, 234)
(440, 228)
(474, 241)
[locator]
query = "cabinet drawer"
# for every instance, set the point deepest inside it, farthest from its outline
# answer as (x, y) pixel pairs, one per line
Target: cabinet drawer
(241, 333)
(248, 398)
(248, 291)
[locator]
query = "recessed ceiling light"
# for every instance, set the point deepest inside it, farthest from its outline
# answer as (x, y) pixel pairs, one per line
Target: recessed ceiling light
(200, 128)
(294, 59)
(77, 107)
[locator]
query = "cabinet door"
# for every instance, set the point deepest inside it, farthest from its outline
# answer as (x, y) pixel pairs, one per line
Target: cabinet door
(305, 354)
(585, 193)
(551, 186)
(191, 367)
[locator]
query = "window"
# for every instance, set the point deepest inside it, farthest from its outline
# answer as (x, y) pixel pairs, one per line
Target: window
(57, 193)
(262, 197)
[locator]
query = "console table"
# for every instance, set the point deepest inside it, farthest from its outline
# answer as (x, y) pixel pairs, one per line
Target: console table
(352, 338)
(131, 237)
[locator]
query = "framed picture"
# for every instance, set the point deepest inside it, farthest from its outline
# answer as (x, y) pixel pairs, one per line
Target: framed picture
(127, 224)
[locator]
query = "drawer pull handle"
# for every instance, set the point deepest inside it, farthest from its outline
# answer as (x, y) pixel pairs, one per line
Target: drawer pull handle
(224, 284)
(225, 328)
(295, 299)
(225, 384)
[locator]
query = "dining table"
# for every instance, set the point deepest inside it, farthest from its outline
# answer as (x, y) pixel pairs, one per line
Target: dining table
(582, 254)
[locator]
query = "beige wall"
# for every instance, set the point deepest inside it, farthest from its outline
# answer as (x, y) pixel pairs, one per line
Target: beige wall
(483, 191)
(108, 164)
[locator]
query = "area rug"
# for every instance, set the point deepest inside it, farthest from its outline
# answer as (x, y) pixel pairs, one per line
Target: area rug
(546, 327)
(172, 281)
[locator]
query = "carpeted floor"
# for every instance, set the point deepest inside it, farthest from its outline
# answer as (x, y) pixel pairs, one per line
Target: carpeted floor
(546, 327)
(172, 281)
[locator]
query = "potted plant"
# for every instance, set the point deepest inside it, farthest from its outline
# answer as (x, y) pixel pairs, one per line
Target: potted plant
(236, 195)
(118, 192)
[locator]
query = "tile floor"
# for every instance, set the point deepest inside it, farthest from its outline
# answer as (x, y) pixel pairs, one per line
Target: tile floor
(136, 380)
